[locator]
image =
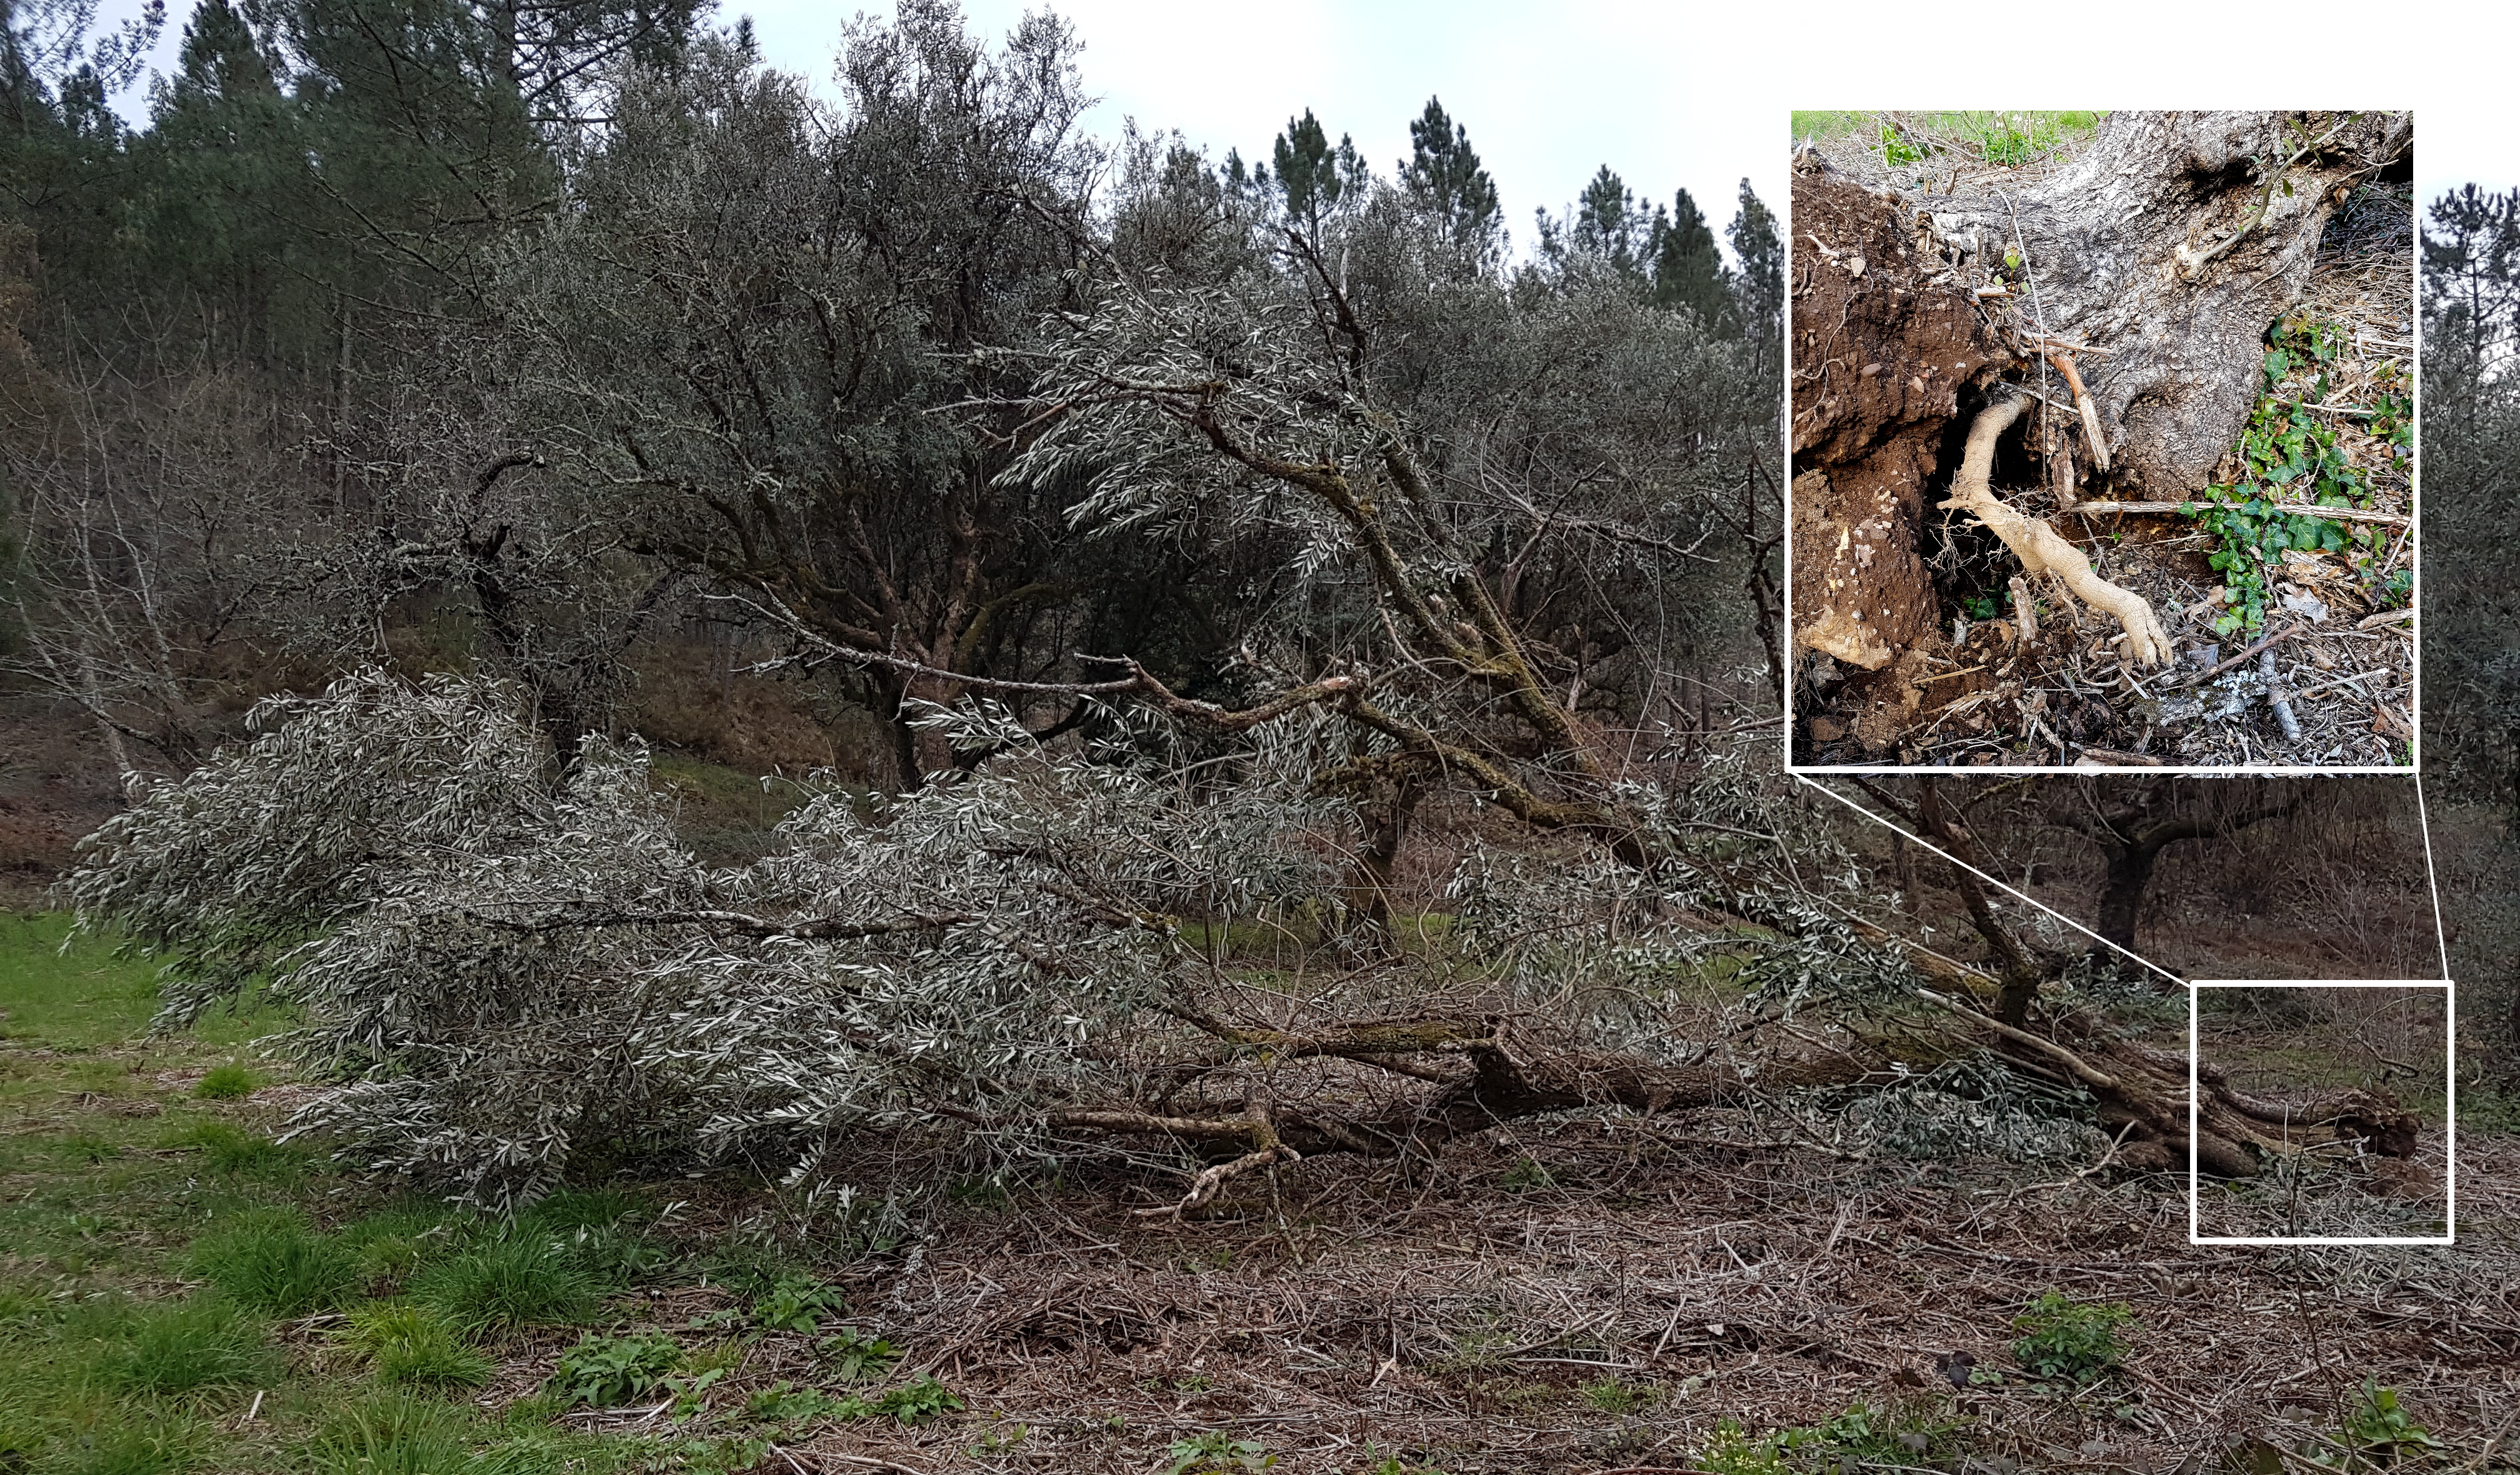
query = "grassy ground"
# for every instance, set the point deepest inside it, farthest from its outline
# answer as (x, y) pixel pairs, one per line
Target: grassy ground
(182, 1293)
(1997, 137)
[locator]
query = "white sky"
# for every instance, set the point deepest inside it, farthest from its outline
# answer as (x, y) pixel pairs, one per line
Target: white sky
(1545, 105)
(1679, 94)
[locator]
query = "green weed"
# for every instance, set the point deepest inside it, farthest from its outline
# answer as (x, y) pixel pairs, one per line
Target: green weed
(1610, 1396)
(797, 1304)
(2070, 1339)
(270, 1261)
(2289, 456)
(918, 1401)
(1393, 1465)
(852, 1357)
(785, 1403)
(913, 1403)
(1735, 1451)
(1527, 1175)
(1863, 1434)
(2378, 1433)
(607, 1372)
(1217, 1453)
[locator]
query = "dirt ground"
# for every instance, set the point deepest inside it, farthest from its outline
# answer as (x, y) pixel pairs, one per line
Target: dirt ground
(1971, 685)
(56, 784)
(1601, 1296)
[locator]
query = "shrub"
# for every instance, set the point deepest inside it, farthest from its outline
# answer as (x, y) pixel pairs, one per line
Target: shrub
(2070, 1339)
(274, 1262)
(498, 1285)
(200, 1343)
(230, 1082)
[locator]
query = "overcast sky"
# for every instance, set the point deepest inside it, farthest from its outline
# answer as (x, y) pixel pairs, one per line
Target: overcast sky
(1670, 95)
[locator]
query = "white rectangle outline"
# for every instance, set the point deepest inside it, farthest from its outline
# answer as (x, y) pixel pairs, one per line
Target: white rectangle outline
(2449, 1177)
(2415, 589)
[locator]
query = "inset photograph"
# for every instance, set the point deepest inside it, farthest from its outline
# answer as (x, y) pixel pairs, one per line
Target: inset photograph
(2102, 437)
(2323, 1111)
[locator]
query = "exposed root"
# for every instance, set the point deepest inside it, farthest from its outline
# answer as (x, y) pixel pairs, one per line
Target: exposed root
(2042, 548)
(2090, 412)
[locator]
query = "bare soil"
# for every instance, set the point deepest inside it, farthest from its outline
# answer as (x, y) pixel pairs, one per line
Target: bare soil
(1481, 1319)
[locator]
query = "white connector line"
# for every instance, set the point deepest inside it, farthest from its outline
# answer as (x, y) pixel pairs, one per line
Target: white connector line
(2432, 877)
(2036, 902)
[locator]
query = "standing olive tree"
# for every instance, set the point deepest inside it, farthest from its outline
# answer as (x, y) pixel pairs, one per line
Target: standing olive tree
(752, 338)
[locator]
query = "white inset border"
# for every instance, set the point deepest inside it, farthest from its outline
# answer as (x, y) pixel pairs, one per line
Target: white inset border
(2449, 1109)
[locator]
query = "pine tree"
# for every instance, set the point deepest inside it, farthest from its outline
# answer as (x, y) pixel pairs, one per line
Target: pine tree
(1314, 177)
(226, 199)
(1444, 173)
(1689, 270)
(1606, 225)
(1760, 285)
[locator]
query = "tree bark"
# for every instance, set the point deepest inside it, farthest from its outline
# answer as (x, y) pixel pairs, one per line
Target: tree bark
(1485, 1073)
(2171, 245)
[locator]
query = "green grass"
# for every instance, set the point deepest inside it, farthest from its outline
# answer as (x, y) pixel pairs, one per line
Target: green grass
(1997, 138)
(410, 1345)
(271, 1261)
(231, 1152)
(170, 1446)
(132, 1167)
(75, 1000)
(226, 1082)
(186, 1347)
(503, 1285)
(392, 1434)
(397, 1241)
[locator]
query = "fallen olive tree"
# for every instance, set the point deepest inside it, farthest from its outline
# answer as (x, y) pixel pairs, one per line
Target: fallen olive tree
(1030, 964)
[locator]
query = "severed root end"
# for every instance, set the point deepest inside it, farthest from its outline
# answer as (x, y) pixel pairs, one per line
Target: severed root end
(2042, 550)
